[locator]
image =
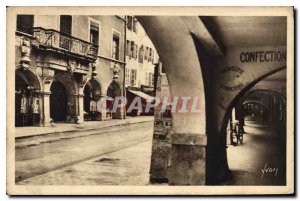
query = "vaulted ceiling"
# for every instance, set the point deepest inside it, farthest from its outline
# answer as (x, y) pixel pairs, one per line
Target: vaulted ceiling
(247, 31)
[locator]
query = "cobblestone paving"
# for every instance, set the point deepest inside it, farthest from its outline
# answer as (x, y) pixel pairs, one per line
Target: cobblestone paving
(129, 166)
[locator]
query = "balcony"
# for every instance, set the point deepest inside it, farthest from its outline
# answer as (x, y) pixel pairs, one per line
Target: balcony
(58, 41)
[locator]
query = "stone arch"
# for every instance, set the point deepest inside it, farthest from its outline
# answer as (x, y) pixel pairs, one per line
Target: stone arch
(29, 75)
(92, 91)
(114, 90)
(242, 92)
(28, 102)
(253, 101)
(219, 162)
(71, 89)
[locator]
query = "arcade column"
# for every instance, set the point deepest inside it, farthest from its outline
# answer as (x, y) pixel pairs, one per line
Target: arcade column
(187, 157)
(46, 108)
(80, 105)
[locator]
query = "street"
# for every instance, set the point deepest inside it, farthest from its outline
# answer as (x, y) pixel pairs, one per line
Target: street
(122, 157)
(128, 166)
(42, 158)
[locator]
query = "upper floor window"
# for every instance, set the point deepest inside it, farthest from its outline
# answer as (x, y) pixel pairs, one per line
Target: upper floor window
(129, 22)
(131, 49)
(132, 23)
(135, 25)
(150, 79)
(133, 77)
(115, 47)
(66, 24)
(146, 53)
(141, 54)
(94, 33)
(25, 23)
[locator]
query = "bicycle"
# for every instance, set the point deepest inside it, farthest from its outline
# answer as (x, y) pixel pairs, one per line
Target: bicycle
(236, 133)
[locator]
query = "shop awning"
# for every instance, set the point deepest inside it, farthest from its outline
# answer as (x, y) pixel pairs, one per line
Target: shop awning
(147, 97)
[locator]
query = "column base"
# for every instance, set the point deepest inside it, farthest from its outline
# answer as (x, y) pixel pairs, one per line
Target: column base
(187, 159)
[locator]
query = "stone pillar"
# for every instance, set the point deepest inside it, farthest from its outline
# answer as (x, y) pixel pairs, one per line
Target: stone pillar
(81, 106)
(180, 59)
(187, 162)
(41, 112)
(103, 107)
(46, 108)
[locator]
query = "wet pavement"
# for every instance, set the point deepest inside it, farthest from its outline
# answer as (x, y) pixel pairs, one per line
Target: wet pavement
(260, 160)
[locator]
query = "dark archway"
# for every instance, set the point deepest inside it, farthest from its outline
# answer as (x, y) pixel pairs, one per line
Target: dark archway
(114, 90)
(92, 93)
(58, 102)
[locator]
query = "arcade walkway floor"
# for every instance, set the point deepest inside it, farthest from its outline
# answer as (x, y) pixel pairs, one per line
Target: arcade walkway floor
(260, 152)
(130, 165)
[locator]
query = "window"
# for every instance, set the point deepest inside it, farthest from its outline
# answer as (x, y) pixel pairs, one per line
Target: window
(115, 47)
(94, 33)
(129, 22)
(153, 55)
(135, 25)
(133, 77)
(146, 78)
(150, 79)
(66, 24)
(136, 51)
(132, 49)
(141, 54)
(127, 76)
(25, 23)
(146, 53)
(150, 55)
(132, 24)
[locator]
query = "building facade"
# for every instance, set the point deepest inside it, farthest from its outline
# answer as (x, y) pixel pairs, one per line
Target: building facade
(65, 64)
(141, 57)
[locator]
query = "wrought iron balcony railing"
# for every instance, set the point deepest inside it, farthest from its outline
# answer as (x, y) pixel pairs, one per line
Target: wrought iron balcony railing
(49, 38)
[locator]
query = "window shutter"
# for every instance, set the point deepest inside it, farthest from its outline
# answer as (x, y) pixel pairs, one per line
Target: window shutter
(132, 49)
(146, 53)
(128, 48)
(129, 22)
(141, 54)
(136, 51)
(152, 59)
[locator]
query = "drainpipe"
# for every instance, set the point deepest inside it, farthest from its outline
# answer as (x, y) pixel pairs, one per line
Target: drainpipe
(125, 44)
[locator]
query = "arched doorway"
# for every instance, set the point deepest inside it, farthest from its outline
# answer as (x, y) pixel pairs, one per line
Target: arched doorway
(27, 98)
(58, 102)
(92, 94)
(64, 97)
(262, 113)
(114, 90)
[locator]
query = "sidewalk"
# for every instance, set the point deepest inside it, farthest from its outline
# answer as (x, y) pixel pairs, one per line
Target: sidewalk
(23, 132)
